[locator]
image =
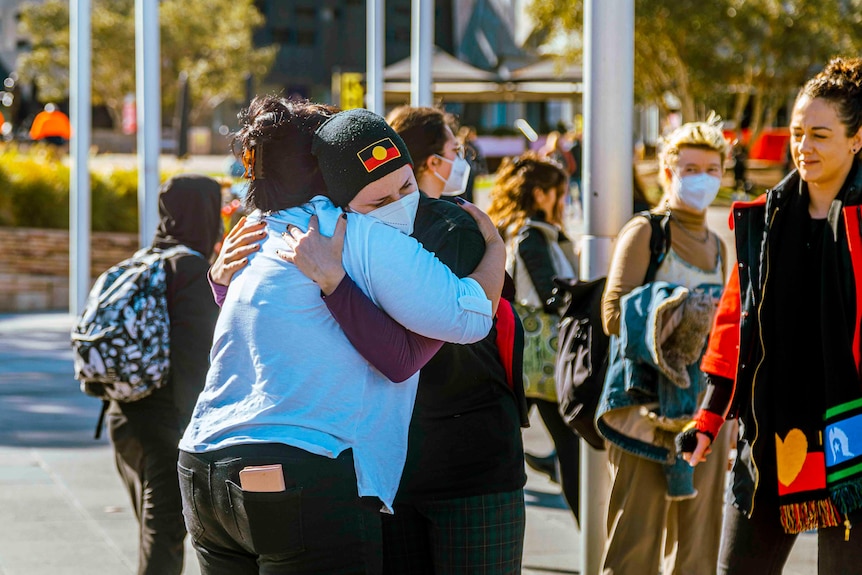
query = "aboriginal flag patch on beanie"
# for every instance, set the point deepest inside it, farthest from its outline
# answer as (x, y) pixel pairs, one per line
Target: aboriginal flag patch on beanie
(378, 154)
(355, 148)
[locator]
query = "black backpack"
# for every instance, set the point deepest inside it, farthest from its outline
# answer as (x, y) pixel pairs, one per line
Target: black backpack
(582, 357)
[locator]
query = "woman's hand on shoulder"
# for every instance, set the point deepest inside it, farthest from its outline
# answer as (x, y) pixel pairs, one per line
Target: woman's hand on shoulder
(317, 256)
(243, 239)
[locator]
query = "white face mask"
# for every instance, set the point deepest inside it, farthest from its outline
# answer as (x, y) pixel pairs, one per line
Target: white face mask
(697, 191)
(456, 183)
(399, 214)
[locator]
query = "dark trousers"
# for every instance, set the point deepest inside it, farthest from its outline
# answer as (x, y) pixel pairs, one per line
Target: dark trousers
(568, 447)
(483, 534)
(759, 546)
(319, 524)
(145, 450)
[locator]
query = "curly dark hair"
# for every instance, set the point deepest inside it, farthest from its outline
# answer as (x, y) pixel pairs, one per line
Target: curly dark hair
(840, 83)
(277, 133)
(512, 200)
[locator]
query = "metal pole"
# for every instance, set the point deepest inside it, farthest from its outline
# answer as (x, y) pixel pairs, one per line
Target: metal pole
(376, 33)
(181, 116)
(79, 210)
(149, 108)
(607, 199)
(421, 51)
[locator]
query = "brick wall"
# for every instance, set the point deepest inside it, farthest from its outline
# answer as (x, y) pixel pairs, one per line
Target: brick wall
(34, 265)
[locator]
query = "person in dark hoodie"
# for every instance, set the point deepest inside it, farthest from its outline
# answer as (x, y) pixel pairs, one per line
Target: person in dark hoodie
(145, 433)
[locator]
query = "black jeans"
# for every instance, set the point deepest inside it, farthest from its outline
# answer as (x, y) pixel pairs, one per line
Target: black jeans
(759, 546)
(145, 451)
(317, 525)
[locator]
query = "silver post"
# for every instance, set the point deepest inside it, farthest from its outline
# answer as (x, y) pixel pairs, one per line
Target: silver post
(79, 100)
(376, 33)
(607, 201)
(421, 52)
(149, 110)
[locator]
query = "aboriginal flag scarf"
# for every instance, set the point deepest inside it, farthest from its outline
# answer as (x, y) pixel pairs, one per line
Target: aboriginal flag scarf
(815, 408)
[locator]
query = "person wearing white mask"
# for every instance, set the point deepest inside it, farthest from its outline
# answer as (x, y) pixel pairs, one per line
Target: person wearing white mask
(783, 355)
(661, 516)
(460, 505)
(438, 158)
(297, 442)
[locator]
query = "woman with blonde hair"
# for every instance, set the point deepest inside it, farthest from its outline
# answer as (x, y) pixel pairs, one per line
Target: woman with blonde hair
(659, 513)
(527, 206)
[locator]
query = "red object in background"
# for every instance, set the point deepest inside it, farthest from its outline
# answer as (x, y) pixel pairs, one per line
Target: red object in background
(771, 145)
(130, 117)
(48, 124)
(230, 208)
(227, 212)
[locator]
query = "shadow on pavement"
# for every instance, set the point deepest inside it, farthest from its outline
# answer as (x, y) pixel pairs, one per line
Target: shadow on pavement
(41, 404)
(535, 498)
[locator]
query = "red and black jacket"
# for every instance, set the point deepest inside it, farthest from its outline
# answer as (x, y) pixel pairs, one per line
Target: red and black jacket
(735, 350)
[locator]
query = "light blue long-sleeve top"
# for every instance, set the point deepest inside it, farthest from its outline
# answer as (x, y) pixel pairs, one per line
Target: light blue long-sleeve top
(282, 370)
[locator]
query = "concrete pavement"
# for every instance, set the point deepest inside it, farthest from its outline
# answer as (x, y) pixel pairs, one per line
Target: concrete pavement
(63, 510)
(62, 507)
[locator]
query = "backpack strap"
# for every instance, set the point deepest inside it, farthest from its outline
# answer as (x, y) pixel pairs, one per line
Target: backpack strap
(101, 421)
(659, 243)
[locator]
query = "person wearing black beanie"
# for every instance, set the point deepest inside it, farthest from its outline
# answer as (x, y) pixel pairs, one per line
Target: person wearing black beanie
(355, 148)
(461, 497)
(297, 442)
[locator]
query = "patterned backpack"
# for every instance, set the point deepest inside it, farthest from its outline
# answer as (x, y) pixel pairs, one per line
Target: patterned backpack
(121, 341)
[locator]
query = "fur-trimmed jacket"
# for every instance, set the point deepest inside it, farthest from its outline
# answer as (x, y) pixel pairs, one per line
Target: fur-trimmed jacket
(653, 382)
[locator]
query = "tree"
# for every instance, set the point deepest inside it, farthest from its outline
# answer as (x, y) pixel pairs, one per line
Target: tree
(778, 46)
(47, 63)
(725, 55)
(210, 40)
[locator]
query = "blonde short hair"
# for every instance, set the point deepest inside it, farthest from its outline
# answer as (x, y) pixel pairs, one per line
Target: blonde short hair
(701, 135)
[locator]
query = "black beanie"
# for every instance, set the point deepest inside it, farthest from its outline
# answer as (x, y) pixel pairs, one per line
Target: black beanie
(355, 148)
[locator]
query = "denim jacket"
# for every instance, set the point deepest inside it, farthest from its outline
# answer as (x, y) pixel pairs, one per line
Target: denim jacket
(653, 384)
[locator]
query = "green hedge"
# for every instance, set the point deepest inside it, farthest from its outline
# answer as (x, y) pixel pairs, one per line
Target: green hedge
(34, 192)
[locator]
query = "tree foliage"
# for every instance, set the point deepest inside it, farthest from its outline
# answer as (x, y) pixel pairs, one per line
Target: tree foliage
(210, 40)
(725, 54)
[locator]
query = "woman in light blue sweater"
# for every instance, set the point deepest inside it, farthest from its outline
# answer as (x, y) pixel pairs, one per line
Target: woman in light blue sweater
(297, 442)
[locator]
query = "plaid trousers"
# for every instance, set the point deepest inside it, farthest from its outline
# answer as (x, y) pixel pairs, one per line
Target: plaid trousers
(479, 535)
